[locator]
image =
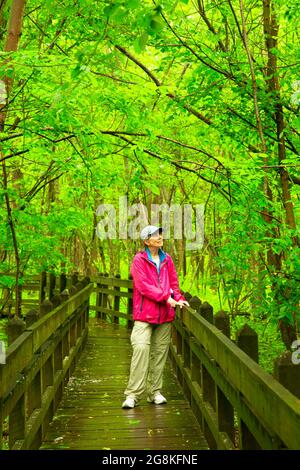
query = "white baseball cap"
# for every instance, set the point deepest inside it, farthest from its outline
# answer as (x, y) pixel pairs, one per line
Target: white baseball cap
(149, 230)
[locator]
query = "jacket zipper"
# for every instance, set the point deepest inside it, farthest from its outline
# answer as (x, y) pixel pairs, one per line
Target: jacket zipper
(158, 304)
(159, 313)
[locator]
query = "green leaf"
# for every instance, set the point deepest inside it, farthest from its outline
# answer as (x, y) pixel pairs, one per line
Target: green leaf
(133, 3)
(143, 40)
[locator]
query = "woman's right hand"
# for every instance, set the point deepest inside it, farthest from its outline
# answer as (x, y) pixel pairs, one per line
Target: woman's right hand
(172, 302)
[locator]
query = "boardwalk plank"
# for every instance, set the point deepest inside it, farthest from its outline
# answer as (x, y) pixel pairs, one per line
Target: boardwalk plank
(90, 414)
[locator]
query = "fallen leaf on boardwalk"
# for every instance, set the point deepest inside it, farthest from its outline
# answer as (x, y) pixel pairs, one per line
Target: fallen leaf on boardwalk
(150, 432)
(134, 421)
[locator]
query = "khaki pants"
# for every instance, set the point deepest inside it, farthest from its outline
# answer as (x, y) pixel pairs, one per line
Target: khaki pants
(150, 345)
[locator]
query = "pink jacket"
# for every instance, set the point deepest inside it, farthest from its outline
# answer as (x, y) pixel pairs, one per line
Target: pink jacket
(152, 289)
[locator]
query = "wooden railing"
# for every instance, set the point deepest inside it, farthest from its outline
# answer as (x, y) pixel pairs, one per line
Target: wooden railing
(43, 285)
(30, 285)
(38, 364)
(238, 404)
(108, 296)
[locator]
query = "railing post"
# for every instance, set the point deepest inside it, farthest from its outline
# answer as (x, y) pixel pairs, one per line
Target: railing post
(56, 290)
(116, 300)
(196, 377)
(62, 282)
(15, 327)
(73, 289)
(209, 391)
(222, 322)
(224, 409)
(66, 344)
(85, 318)
(16, 426)
(287, 373)
(50, 285)
(64, 296)
(186, 362)
(247, 440)
(79, 323)
(66, 352)
(73, 334)
(45, 307)
(31, 317)
(69, 281)
(99, 298)
(74, 278)
(55, 300)
(186, 351)
(247, 340)
(43, 284)
(47, 381)
(179, 342)
(105, 299)
(196, 368)
(72, 343)
(206, 311)
(195, 302)
(34, 401)
(225, 415)
(208, 385)
(58, 366)
(188, 296)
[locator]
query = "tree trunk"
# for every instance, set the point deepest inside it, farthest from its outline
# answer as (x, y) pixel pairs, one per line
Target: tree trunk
(271, 27)
(12, 40)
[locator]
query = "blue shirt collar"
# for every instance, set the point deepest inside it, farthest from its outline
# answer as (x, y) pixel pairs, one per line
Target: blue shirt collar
(161, 255)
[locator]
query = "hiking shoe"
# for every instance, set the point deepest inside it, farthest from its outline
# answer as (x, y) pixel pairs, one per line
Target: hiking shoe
(158, 399)
(129, 403)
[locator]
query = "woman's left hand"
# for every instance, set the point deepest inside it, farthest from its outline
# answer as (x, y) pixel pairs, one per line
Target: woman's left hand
(181, 303)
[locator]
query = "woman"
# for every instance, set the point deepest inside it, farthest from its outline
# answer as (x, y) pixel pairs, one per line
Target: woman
(155, 294)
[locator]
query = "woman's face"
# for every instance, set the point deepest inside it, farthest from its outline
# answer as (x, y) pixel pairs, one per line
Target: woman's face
(156, 240)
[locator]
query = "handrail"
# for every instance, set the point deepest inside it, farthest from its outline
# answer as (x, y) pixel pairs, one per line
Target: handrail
(38, 364)
(273, 408)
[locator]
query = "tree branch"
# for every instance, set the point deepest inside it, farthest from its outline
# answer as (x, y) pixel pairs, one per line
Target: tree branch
(181, 167)
(139, 64)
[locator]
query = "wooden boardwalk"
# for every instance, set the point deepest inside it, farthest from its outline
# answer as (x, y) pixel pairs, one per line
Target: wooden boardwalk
(90, 414)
